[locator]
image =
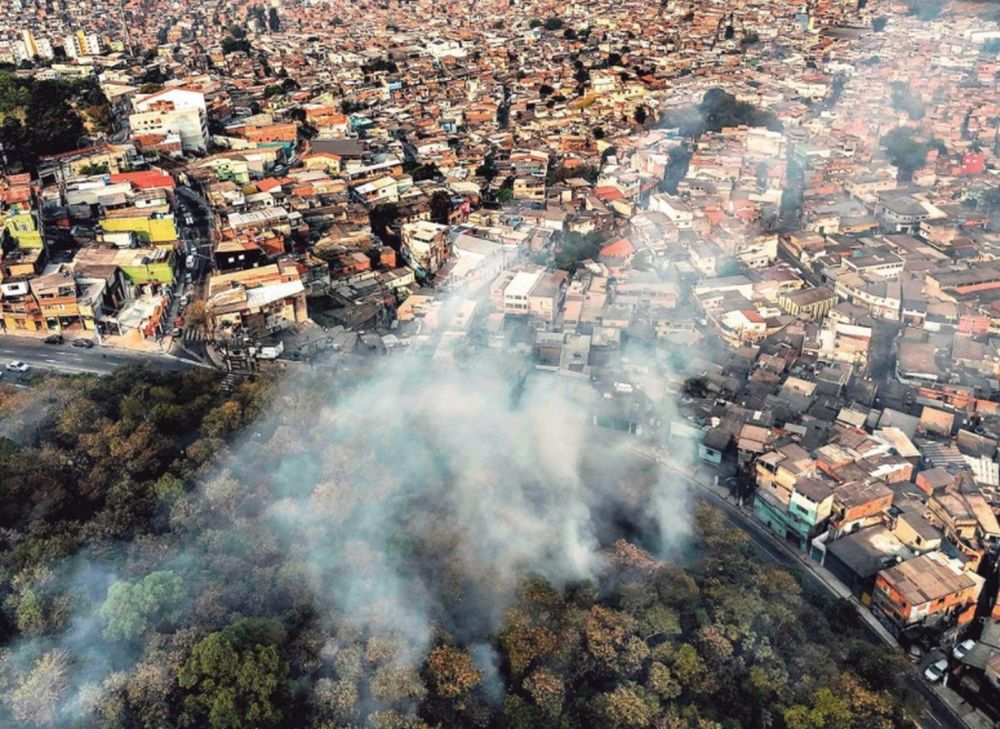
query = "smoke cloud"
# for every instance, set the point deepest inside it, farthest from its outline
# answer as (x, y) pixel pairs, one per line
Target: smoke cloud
(399, 497)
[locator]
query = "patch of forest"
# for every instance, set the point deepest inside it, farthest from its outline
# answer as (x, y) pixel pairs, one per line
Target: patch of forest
(141, 587)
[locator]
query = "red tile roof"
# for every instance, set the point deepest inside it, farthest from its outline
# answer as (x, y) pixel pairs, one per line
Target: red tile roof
(621, 248)
(146, 180)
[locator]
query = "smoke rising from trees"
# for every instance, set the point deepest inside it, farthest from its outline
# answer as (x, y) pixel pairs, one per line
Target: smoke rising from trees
(400, 503)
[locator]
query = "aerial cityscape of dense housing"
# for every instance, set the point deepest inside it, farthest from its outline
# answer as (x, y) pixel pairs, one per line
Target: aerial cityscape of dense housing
(501, 364)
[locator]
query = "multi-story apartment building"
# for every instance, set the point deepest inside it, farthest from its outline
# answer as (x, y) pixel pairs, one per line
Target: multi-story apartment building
(173, 111)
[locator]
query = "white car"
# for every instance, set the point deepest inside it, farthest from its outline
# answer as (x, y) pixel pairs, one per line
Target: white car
(17, 366)
(962, 648)
(935, 671)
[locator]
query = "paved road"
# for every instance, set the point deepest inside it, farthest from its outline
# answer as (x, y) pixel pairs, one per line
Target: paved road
(74, 360)
(198, 241)
(938, 715)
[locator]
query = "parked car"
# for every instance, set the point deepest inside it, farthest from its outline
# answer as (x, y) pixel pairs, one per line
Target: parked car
(18, 366)
(935, 671)
(83, 343)
(54, 339)
(915, 654)
(962, 648)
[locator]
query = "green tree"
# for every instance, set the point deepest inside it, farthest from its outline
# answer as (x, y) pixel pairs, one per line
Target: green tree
(132, 608)
(576, 248)
(233, 45)
(230, 684)
(382, 219)
(94, 169)
(663, 682)
(224, 420)
(991, 199)
(40, 117)
(718, 109)
(689, 668)
(428, 171)
(440, 207)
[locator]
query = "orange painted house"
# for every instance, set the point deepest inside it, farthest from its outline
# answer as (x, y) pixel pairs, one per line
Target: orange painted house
(926, 587)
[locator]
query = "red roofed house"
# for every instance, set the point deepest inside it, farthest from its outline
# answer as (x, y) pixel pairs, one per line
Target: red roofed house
(608, 193)
(146, 179)
(617, 255)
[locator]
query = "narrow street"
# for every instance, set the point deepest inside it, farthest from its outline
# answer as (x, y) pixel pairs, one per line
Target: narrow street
(939, 715)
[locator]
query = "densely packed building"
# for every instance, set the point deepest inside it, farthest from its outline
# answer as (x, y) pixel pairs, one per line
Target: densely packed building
(796, 206)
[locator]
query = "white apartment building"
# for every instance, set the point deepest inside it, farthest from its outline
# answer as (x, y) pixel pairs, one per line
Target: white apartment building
(173, 111)
(82, 44)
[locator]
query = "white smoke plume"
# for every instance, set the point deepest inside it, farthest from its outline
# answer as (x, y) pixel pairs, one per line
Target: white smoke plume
(404, 496)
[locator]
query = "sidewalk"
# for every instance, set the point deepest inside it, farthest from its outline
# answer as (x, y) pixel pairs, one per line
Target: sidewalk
(136, 343)
(132, 341)
(967, 714)
(962, 712)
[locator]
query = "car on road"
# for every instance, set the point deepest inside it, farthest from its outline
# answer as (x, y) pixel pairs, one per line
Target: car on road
(963, 648)
(18, 366)
(935, 671)
(54, 339)
(83, 343)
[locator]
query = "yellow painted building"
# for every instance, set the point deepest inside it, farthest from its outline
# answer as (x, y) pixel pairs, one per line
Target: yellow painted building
(160, 231)
(812, 303)
(24, 229)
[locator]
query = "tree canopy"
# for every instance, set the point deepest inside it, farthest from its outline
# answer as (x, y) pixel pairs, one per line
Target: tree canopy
(40, 118)
(213, 617)
(718, 109)
(132, 608)
(231, 682)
